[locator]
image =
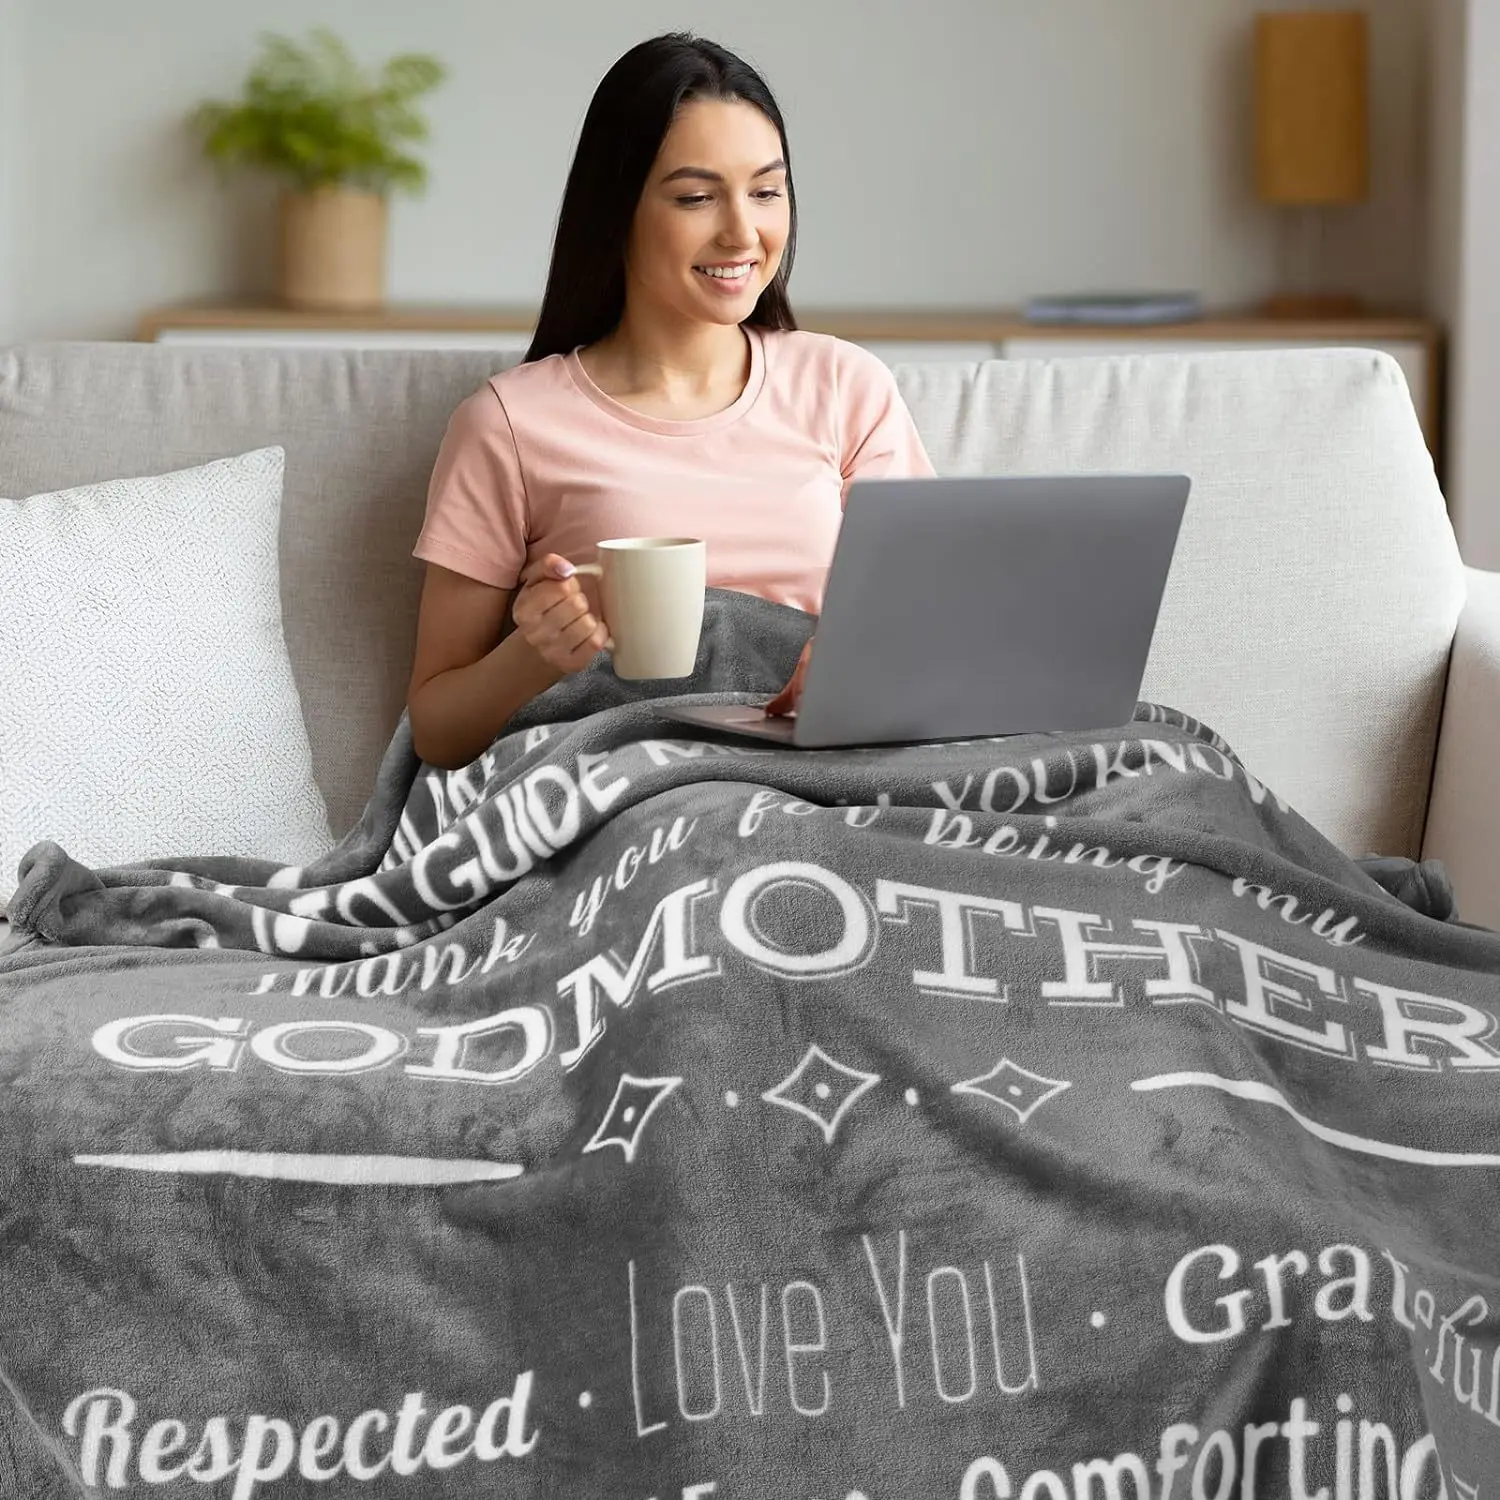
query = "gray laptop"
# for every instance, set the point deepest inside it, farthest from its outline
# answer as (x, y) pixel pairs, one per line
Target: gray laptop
(959, 608)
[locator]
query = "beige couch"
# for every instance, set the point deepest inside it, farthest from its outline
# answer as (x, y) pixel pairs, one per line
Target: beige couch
(1318, 614)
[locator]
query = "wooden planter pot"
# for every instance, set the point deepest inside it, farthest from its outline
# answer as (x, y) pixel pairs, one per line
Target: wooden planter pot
(332, 246)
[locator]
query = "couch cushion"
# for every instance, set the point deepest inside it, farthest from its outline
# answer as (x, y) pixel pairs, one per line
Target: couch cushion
(1308, 617)
(147, 707)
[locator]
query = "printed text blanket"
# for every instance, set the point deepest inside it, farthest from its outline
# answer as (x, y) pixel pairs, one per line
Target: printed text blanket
(642, 1114)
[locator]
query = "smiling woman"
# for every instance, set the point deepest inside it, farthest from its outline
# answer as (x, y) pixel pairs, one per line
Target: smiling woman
(705, 244)
(683, 153)
(667, 390)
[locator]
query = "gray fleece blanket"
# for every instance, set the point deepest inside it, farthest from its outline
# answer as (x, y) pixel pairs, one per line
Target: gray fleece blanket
(639, 1114)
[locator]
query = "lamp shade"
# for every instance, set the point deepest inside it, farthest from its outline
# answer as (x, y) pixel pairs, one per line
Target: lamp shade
(1311, 106)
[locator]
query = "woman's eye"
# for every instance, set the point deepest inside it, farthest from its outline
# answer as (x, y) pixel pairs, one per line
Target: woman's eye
(761, 195)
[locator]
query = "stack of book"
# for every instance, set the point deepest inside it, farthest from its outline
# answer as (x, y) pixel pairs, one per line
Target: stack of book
(1115, 307)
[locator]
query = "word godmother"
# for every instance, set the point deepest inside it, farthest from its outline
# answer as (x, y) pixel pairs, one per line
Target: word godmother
(1282, 995)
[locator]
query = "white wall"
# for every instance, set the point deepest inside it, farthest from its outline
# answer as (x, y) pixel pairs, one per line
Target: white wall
(1465, 287)
(1447, 60)
(11, 112)
(948, 152)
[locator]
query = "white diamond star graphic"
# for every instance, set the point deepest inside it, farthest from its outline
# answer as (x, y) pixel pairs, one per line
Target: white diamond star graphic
(820, 1081)
(1018, 1090)
(635, 1100)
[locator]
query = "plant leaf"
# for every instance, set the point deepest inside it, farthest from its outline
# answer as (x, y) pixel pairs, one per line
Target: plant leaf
(307, 110)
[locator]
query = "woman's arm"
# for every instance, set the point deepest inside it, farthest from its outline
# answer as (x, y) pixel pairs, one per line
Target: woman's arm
(467, 683)
(877, 437)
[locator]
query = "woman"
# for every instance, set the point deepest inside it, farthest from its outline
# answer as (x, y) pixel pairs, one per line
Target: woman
(666, 391)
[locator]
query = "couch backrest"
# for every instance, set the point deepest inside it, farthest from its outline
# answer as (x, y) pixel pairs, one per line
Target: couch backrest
(1308, 617)
(1316, 585)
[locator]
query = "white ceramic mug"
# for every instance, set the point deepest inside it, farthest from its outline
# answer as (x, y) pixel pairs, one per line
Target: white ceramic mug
(653, 589)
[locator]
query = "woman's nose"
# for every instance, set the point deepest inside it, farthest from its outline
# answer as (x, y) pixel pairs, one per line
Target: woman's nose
(736, 229)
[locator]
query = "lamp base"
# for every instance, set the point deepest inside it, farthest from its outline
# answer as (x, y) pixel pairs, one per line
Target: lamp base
(1329, 306)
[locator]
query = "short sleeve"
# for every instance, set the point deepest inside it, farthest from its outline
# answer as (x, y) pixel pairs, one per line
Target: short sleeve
(877, 437)
(477, 521)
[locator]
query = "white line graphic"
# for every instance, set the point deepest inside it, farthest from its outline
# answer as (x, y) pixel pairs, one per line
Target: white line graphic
(1265, 1094)
(289, 1166)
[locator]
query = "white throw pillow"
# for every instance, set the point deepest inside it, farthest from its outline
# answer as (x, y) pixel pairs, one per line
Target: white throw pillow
(147, 705)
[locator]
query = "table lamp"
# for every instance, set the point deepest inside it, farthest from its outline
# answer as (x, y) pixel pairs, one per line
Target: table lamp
(1311, 137)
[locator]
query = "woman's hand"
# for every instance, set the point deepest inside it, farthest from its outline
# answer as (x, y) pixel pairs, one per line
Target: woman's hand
(552, 612)
(786, 701)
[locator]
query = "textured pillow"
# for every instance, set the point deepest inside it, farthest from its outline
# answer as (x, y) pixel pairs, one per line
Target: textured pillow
(147, 705)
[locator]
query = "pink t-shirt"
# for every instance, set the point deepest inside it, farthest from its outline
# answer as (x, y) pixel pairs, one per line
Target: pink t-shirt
(539, 460)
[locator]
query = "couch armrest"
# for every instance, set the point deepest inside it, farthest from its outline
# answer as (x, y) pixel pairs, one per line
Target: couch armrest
(1463, 816)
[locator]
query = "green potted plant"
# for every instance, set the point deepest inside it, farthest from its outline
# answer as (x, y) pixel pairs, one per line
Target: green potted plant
(339, 137)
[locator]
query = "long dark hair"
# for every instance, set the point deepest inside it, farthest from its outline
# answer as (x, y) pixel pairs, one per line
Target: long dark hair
(630, 113)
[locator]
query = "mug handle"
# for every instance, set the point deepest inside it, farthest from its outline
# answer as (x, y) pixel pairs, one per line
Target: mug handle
(594, 570)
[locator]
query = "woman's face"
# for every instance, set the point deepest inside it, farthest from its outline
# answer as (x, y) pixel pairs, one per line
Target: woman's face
(714, 215)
